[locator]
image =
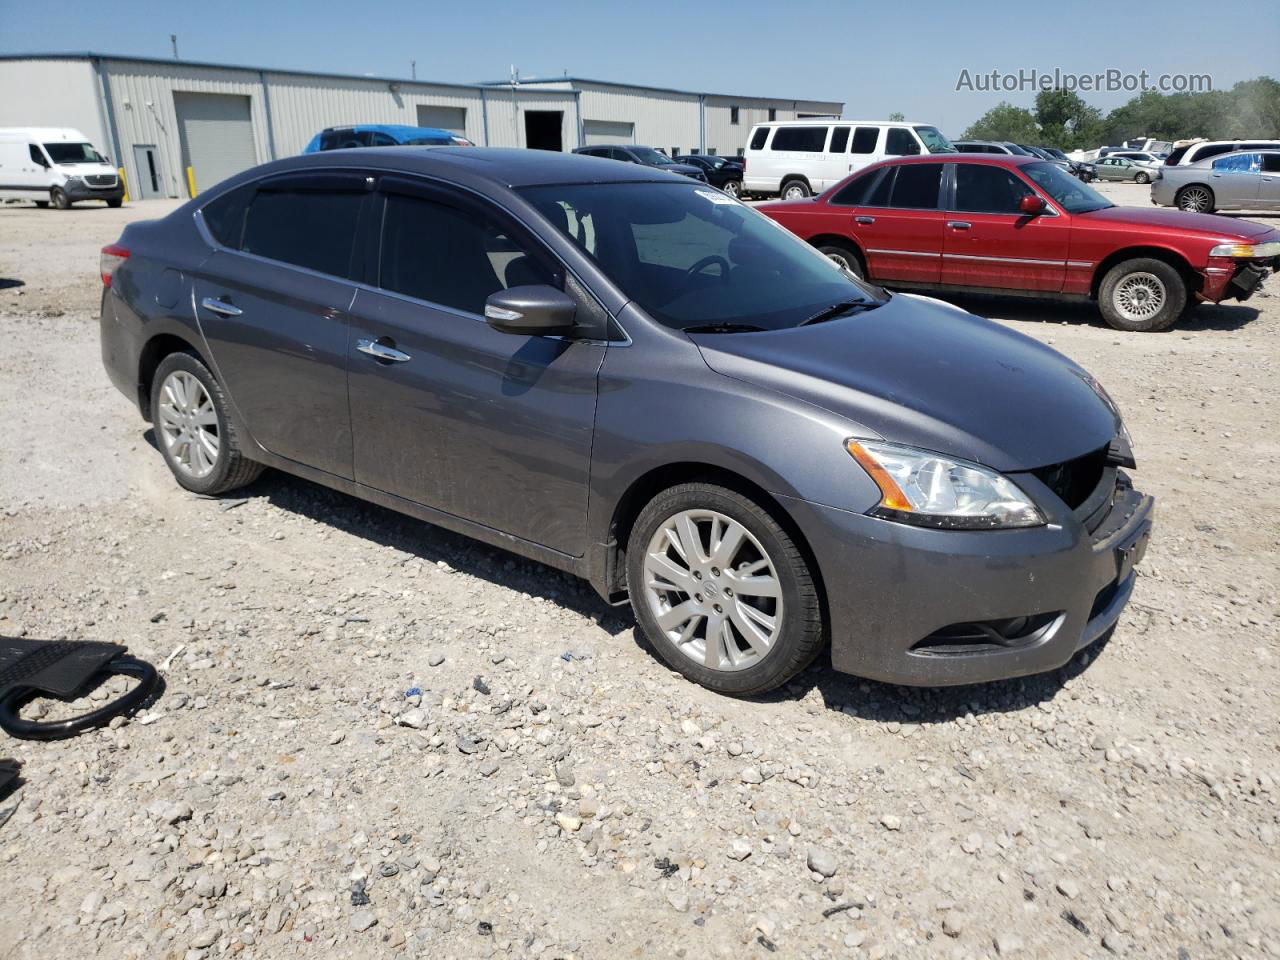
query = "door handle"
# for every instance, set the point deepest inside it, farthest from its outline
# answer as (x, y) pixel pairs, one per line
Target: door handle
(220, 307)
(381, 351)
(867, 220)
(959, 224)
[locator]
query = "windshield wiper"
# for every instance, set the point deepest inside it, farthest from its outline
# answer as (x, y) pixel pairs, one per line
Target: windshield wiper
(724, 328)
(839, 310)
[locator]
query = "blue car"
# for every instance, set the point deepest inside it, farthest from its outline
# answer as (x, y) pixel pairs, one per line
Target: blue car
(384, 135)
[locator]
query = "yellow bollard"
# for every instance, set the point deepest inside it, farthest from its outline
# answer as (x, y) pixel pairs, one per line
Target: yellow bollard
(191, 181)
(124, 181)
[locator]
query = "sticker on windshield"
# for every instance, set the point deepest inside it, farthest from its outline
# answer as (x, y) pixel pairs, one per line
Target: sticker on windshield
(715, 196)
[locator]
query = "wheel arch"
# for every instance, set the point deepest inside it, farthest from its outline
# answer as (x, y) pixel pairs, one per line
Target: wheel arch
(789, 177)
(840, 240)
(153, 352)
(1173, 258)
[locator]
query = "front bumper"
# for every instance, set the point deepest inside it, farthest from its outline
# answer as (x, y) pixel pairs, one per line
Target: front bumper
(1228, 279)
(893, 589)
(79, 190)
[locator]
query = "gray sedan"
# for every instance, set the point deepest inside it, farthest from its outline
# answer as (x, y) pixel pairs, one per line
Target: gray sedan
(632, 377)
(1244, 180)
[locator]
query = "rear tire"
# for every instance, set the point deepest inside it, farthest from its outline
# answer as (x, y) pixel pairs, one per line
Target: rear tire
(194, 430)
(794, 190)
(60, 198)
(1142, 295)
(733, 188)
(846, 257)
(1195, 198)
(763, 633)
(1141, 178)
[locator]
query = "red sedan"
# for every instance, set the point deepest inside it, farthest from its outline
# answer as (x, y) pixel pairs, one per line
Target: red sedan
(1018, 225)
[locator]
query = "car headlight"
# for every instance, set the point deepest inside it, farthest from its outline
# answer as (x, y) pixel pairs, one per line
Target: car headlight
(926, 489)
(1247, 251)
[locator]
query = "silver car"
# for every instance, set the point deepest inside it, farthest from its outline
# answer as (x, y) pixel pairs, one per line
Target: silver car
(1244, 180)
(1122, 168)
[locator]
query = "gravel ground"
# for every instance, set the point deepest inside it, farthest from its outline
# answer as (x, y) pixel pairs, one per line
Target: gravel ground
(379, 739)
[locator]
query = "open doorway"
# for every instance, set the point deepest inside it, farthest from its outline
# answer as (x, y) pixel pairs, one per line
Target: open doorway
(542, 129)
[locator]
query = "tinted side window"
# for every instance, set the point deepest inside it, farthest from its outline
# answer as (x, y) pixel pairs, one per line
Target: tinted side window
(224, 216)
(759, 137)
(901, 143)
(856, 192)
(1262, 145)
(879, 196)
(339, 139)
(308, 228)
(1271, 163)
(839, 140)
(1216, 150)
(36, 156)
(981, 189)
(379, 139)
(864, 139)
(800, 139)
(448, 256)
(916, 186)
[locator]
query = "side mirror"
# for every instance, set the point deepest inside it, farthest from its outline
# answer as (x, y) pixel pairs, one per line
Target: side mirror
(532, 311)
(1031, 205)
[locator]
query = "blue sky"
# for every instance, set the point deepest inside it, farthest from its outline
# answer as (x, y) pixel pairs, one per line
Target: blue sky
(878, 57)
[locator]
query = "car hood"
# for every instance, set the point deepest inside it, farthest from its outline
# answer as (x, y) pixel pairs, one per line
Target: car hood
(922, 372)
(1169, 219)
(683, 168)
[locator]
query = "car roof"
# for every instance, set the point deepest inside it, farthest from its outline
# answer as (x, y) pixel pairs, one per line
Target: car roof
(990, 159)
(504, 166)
(388, 128)
(810, 121)
(1234, 153)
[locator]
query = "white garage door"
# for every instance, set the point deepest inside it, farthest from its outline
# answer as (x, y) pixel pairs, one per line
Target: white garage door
(217, 136)
(453, 119)
(607, 131)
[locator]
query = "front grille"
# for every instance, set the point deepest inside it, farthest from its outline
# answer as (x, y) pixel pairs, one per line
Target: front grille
(1075, 480)
(101, 180)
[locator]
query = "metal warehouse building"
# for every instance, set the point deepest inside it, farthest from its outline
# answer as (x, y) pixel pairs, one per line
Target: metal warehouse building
(156, 118)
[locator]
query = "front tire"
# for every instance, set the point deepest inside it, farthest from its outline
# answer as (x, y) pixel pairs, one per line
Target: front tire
(845, 258)
(722, 591)
(115, 203)
(60, 198)
(194, 430)
(1142, 295)
(1195, 198)
(795, 190)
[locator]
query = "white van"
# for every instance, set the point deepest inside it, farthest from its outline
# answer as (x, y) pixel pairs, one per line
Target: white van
(798, 158)
(1204, 149)
(55, 165)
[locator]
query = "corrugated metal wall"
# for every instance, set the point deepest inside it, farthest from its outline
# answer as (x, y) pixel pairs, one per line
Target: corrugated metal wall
(662, 119)
(726, 137)
(506, 125)
(54, 93)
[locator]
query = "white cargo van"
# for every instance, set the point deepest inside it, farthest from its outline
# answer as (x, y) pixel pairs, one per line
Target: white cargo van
(55, 165)
(798, 158)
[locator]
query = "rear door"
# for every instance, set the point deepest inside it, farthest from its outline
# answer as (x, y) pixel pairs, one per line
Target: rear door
(865, 147)
(899, 223)
(272, 302)
(834, 165)
(488, 426)
(990, 243)
(1237, 179)
(1269, 183)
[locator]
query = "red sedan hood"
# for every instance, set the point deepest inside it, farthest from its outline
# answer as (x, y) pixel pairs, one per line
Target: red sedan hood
(1167, 219)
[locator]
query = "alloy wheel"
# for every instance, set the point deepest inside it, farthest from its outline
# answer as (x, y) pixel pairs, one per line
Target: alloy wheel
(188, 424)
(1139, 296)
(713, 590)
(1195, 200)
(732, 188)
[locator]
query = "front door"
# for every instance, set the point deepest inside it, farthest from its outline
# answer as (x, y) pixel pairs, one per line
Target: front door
(899, 225)
(483, 425)
(988, 242)
(272, 304)
(146, 183)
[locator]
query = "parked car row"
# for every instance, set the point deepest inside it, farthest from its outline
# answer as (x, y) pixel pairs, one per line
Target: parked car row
(1085, 171)
(632, 377)
(1010, 224)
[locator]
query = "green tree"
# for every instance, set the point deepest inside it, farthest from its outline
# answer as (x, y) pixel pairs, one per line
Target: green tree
(1004, 121)
(1065, 120)
(897, 117)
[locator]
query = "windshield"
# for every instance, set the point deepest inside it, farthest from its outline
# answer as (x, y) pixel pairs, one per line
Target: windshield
(934, 141)
(695, 258)
(1068, 192)
(651, 156)
(73, 153)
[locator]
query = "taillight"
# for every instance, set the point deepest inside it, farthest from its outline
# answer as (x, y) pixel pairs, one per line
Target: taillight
(111, 258)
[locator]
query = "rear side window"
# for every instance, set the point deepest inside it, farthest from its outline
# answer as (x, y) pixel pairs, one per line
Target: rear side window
(982, 189)
(1176, 155)
(307, 228)
(1217, 150)
(36, 156)
(444, 255)
(839, 140)
(1263, 145)
(224, 216)
(758, 138)
(339, 139)
(800, 139)
(901, 143)
(1271, 162)
(916, 187)
(864, 139)
(856, 192)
